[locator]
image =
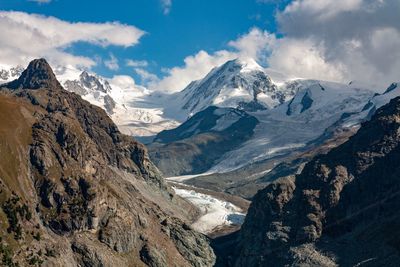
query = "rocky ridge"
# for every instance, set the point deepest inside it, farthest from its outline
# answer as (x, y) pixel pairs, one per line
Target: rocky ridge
(340, 211)
(76, 192)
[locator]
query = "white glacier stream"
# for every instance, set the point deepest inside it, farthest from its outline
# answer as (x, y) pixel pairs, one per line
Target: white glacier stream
(215, 212)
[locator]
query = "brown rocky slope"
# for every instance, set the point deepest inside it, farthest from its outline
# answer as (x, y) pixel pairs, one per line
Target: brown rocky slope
(74, 191)
(342, 210)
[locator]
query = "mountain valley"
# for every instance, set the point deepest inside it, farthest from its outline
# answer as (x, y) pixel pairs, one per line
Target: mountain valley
(241, 144)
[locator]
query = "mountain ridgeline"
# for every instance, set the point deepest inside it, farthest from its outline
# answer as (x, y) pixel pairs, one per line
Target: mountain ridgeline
(74, 191)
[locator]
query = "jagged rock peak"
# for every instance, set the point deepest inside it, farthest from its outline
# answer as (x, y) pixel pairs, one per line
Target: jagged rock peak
(37, 75)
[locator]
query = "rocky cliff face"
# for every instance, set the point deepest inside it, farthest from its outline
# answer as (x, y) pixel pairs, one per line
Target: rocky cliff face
(76, 192)
(342, 210)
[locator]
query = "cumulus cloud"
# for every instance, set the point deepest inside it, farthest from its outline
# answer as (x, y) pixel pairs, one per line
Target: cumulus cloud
(27, 36)
(127, 84)
(123, 81)
(139, 67)
(255, 44)
(357, 38)
(302, 59)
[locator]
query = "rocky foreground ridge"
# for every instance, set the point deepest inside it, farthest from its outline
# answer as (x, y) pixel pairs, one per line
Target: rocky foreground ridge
(74, 191)
(342, 210)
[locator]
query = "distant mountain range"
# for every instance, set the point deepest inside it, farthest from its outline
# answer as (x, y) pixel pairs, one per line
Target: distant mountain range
(235, 117)
(124, 101)
(300, 116)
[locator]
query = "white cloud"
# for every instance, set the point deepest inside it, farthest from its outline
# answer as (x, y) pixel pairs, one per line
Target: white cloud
(147, 78)
(123, 81)
(127, 84)
(136, 63)
(166, 5)
(30, 36)
(322, 9)
(358, 38)
(112, 63)
(302, 59)
(254, 44)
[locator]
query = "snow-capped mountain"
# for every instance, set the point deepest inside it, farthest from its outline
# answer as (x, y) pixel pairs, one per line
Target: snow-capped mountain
(294, 125)
(234, 118)
(124, 101)
(238, 83)
(381, 99)
(291, 113)
(121, 98)
(377, 101)
(320, 116)
(91, 87)
(7, 73)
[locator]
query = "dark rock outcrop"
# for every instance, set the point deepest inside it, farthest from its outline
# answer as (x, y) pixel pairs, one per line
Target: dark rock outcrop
(37, 75)
(341, 210)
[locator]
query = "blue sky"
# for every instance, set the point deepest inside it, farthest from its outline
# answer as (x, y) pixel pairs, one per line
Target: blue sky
(172, 42)
(189, 26)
